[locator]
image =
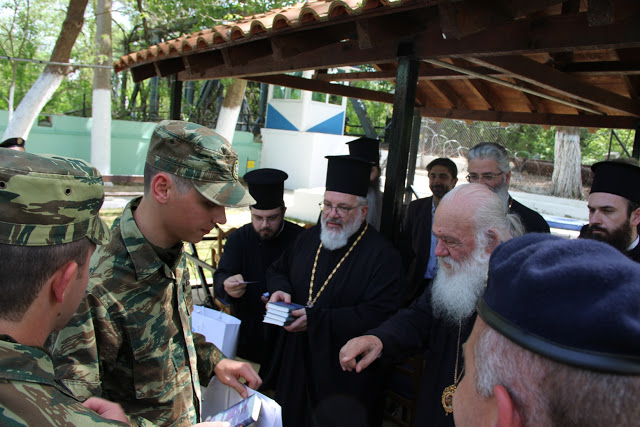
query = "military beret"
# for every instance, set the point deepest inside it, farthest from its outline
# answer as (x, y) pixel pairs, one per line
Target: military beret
(197, 153)
(266, 187)
(573, 301)
(49, 200)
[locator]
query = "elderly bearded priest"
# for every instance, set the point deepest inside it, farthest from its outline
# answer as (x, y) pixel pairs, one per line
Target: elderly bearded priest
(350, 279)
(469, 223)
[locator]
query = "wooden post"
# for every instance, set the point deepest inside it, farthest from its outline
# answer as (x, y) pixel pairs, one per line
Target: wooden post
(399, 143)
(175, 108)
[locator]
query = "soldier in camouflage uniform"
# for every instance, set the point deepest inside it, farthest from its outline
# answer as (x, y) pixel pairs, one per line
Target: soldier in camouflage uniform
(131, 340)
(49, 227)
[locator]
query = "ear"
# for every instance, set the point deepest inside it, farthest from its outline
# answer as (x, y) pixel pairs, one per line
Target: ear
(365, 210)
(635, 218)
(61, 279)
(494, 240)
(508, 414)
(507, 177)
(160, 187)
(455, 182)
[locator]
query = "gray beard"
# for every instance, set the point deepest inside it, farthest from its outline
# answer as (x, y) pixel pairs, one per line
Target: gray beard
(333, 240)
(455, 291)
(503, 193)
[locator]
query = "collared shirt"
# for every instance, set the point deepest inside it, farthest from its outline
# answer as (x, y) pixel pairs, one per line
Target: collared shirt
(634, 244)
(432, 266)
(130, 340)
(29, 394)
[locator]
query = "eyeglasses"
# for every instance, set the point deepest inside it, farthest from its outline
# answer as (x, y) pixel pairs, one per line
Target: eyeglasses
(341, 210)
(489, 176)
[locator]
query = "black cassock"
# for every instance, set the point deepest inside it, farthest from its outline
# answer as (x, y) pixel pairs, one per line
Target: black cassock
(415, 329)
(634, 253)
(366, 289)
(244, 253)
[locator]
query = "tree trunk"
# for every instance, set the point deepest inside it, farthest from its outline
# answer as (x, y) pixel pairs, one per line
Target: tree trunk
(567, 179)
(45, 86)
(101, 101)
(12, 89)
(228, 116)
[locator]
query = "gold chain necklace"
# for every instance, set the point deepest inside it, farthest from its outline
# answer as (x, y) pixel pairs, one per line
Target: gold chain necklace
(312, 301)
(447, 394)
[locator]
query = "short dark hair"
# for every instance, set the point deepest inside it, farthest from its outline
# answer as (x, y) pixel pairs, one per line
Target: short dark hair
(182, 184)
(25, 269)
(447, 163)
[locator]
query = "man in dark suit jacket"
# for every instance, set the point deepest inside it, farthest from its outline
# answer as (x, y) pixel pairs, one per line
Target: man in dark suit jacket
(489, 165)
(417, 245)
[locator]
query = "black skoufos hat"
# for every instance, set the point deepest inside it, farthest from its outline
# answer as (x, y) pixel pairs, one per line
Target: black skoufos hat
(266, 186)
(571, 300)
(622, 179)
(348, 174)
(367, 148)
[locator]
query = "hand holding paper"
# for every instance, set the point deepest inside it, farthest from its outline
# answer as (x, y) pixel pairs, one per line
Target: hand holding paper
(235, 286)
(230, 371)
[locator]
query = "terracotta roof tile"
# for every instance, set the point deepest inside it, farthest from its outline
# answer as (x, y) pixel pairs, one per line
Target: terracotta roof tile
(256, 26)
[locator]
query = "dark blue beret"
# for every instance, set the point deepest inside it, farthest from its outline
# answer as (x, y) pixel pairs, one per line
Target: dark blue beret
(574, 301)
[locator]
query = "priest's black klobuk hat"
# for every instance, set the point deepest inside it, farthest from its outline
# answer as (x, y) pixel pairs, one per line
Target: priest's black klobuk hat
(348, 174)
(13, 142)
(266, 186)
(367, 148)
(546, 294)
(615, 177)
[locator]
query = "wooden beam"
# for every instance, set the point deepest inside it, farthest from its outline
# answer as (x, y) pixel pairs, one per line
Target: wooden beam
(533, 35)
(541, 75)
(448, 94)
(578, 120)
(590, 69)
(324, 87)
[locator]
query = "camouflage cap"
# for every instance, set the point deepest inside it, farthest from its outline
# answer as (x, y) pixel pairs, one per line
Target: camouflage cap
(197, 153)
(49, 200)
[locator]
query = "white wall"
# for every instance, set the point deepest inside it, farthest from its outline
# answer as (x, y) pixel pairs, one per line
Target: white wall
(301, 155)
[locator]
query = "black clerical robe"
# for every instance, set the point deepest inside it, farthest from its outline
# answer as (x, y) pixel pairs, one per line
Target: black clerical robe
(364, 291)
(244, 253)
(634, 253)
(532, 221)
(415, 329)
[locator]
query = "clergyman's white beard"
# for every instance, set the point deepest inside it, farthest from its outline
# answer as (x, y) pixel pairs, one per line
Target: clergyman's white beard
(455, 291)
(335, 239)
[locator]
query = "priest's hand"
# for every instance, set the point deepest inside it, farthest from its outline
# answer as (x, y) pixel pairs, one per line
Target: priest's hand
(300, 324)
(106, 409)
(280, 296)
(229, 372)
(235, 286)
(368, 347)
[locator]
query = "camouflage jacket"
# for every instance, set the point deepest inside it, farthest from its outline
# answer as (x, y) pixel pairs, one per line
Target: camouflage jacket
(130, 340)
(29, 394)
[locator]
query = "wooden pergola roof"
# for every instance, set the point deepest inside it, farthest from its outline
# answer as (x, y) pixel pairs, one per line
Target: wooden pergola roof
(553, 62)
(549, 62)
